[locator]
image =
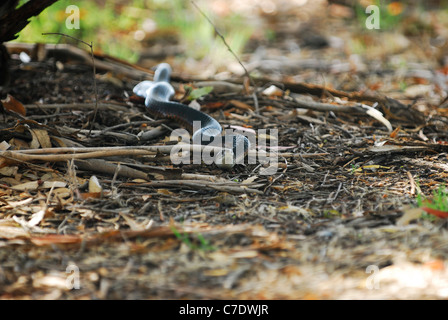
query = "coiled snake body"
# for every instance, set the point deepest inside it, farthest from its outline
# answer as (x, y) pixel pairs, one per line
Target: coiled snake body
(157, 96)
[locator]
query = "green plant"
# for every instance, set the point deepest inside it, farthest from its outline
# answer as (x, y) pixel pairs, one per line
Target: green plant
(439, 200)
(390, 13)
(198, 35)
(203, 245)
(109, 31)
(194, 94)
(110, 26)
(427, 216)
(354, 167)
(331, 214)
(403, 85)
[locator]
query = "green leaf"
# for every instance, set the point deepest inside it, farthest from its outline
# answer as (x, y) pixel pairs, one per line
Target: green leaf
(200, 92)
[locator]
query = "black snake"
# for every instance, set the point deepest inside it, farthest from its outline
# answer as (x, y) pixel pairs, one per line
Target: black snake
(157, 96)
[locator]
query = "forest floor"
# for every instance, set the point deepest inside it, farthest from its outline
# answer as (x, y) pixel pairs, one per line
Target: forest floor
(338, 219)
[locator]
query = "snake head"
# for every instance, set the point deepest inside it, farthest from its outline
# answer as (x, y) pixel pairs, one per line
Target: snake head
(142, 88)
(163, 73)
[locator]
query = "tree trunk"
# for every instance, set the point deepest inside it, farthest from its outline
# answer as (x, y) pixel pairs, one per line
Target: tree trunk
(12, 21)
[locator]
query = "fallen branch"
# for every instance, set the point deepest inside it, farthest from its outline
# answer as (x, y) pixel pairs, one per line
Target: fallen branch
(64, 52)
(101, 106)
(220, 186)
(359, 108)
(106, 167)
(64, 154)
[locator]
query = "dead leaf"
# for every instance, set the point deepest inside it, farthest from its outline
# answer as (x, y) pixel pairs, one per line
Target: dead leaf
(418, 90)
(165, 192)
(374, 113)
(59, 142)
(394, 133)
(4, 146)
(236, 116)
(40, 138)
(291, 270)
(50, 239)
(27, 186)
(409, 215)
(295, 209)
(94, 185)
(90, 195)
(111, 78)
(33, 185)
(11, 230)
(216, 272)
(10, 181)
(195, 105)
(249, 180)
(37, 217)
(435, 212)
(372, 167)
(266, 137)
(396, 149)
(241, 105)
(245, 130)
(273, 91)
(435, 265)
(9, 171)
(56, 281)
(15, 204)
(14, 105)
(244, 254)
(53, 184)
(422, 136)
(64, 195)
(19, 144)
(134, 225)
(214, 105)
